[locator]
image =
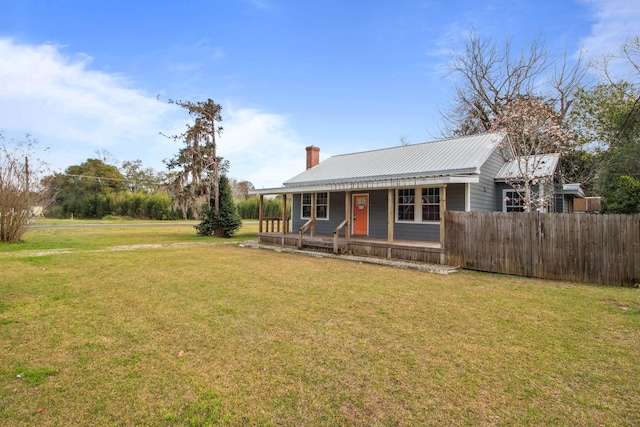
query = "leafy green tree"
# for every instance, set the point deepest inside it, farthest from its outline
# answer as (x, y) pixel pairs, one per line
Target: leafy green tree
(141, 178)
(86, 190)
(581, 166)
(607, 118)
(625, 197)
(224, 221)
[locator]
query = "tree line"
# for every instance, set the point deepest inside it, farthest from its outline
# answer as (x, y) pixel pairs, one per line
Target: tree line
(94, 189)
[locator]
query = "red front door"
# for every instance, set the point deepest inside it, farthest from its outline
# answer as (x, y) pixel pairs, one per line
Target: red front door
(361, 214)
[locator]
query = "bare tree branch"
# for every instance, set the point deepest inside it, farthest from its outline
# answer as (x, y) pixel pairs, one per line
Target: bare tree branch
(489, 77)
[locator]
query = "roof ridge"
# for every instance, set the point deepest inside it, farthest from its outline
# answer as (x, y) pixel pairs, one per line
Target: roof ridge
(417, 144)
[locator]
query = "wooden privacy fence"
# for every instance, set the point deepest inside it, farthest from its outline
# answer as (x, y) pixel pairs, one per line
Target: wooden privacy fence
(602, 249)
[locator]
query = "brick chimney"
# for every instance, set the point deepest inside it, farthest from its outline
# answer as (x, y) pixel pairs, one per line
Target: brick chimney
(313, 156)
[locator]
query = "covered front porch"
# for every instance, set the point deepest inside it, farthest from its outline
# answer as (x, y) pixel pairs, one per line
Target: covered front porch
(408, 250)
(344, 237)
(395, 217)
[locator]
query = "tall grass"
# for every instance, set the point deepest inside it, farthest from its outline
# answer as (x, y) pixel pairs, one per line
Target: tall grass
(250, 208)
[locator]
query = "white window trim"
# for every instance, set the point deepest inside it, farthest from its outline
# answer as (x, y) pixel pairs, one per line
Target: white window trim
(467, 197)
(417, 211)
(504, 197)
(316, 205)
(328, 210)
(302, 204)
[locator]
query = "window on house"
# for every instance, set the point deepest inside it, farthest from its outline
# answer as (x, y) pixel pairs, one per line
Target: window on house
(322, 205)
(512, 201)
(306, 205)
(431, 204)
(406, 204)
(424, 208)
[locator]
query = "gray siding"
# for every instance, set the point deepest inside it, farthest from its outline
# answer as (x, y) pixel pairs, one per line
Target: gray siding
(377, 213)
(455, 197)
(296, 221)
(484, 197)
(336, 214)
(417, 231)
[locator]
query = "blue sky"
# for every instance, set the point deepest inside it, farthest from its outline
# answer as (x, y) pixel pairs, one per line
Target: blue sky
(83, 76)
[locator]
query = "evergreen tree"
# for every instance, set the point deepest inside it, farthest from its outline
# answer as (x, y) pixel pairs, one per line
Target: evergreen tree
(224, 222)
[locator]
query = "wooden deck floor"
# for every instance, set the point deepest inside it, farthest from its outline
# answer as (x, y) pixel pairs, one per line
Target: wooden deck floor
(359, 240)
(409, 250)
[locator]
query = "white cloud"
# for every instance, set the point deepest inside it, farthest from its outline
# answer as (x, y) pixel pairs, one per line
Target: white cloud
(77, 111)
(261, 147)
(72, 108)
(615, 21)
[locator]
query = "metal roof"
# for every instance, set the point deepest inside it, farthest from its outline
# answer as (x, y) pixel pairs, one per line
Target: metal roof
(541, 166)
(574, 189)
(446, 157)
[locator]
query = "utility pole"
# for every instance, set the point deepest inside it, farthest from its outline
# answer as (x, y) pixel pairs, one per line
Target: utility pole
(26, 172)
(26, 178)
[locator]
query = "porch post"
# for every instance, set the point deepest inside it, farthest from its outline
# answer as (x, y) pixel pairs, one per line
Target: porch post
(313, 214)
(443, 209)
(390, 217)
(260, 214)
(285, 223)
(347, 215)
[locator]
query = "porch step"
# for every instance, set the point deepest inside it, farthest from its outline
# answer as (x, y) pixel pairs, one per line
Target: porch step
(321, 246)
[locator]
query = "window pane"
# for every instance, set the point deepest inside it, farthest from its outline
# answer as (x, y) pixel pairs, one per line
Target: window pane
(306, 205)
(406, 204)
(406, 195)
(321, 211)
(431, 204)
(406, 212)
(321, 198)
(513, 202)
(431, 213)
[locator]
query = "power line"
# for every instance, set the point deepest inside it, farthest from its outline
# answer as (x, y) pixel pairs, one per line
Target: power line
(101, 178)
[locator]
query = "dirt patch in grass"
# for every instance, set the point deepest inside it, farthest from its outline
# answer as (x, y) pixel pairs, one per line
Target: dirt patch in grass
(624, 305)
(109, 249)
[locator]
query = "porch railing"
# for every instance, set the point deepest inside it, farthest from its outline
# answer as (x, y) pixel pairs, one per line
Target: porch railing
(304, 228)
(336, 234)
(273, 224)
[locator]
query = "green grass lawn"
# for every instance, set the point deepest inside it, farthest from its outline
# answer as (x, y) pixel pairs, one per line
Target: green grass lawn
(154, 326)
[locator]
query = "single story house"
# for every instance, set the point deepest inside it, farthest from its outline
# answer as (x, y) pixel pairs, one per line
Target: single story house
(390, 202)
